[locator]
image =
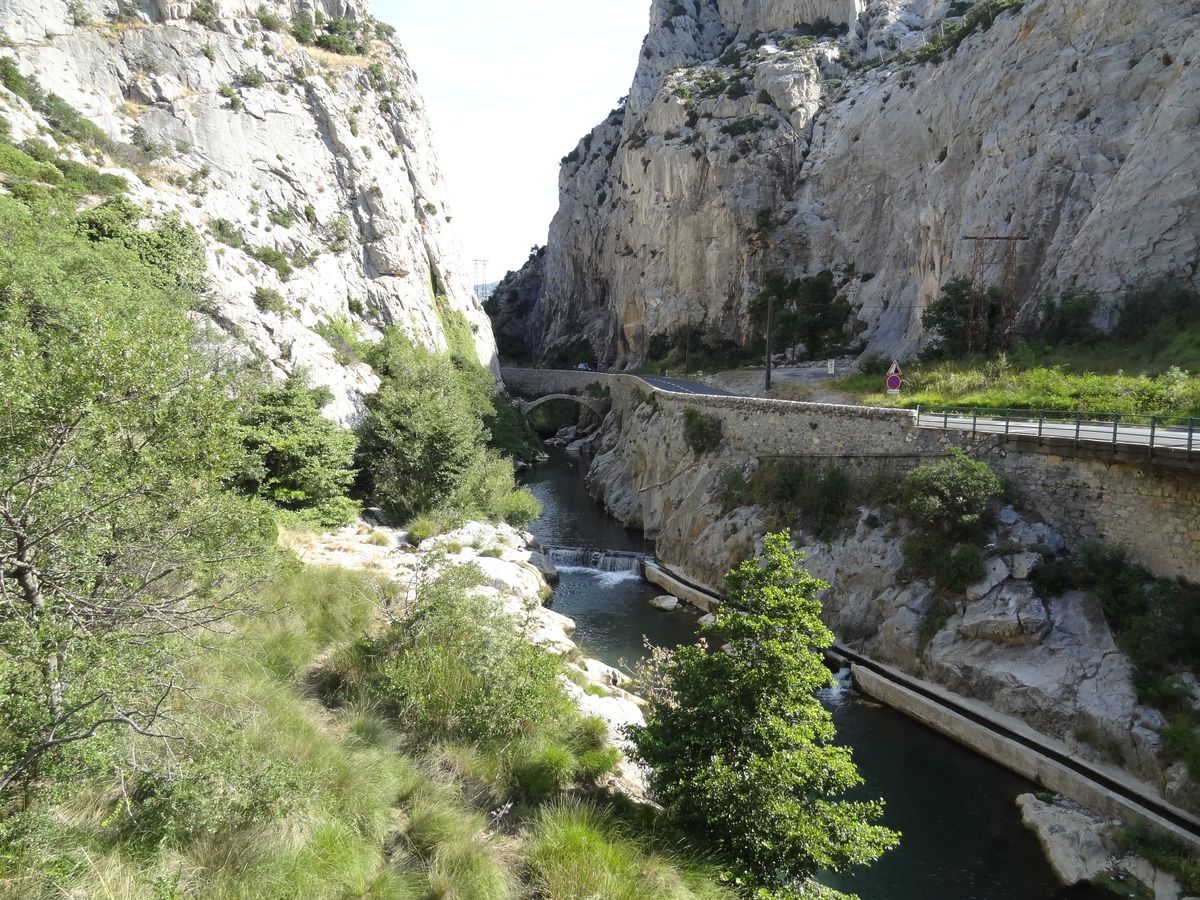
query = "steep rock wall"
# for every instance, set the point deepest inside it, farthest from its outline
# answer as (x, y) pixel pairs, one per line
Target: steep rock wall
(327, 159)
(1049, 660)
(738, 153)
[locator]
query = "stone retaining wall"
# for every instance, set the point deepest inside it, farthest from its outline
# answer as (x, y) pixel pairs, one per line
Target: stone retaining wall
(1150, 508)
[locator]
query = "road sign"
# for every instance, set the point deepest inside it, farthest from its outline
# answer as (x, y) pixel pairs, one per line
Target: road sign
(831, 366)
(895, 378)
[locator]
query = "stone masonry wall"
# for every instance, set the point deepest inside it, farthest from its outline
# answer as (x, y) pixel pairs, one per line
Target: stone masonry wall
(1147, 507)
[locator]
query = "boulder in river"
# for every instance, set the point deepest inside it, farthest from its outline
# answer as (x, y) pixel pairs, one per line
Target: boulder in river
(665, 602)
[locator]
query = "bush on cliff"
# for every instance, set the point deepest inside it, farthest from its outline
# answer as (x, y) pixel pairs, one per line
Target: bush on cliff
(742, 752)
(949, 497)
(702, 431)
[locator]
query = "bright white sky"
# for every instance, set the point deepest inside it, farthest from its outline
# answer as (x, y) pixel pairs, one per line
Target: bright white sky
(511, 86)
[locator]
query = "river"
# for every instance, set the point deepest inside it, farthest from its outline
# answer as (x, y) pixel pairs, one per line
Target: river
(962, 833)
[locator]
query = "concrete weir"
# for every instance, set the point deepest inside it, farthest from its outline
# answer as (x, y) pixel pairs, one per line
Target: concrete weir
(1004, 739)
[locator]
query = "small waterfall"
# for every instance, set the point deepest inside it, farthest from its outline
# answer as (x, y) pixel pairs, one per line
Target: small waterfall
(612, 563)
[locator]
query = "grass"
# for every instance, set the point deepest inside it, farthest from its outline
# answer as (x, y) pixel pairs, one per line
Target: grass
(577, 852)
(358, 805)
(1147, 377)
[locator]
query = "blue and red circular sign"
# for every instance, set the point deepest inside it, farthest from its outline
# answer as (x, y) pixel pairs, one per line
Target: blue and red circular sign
(894, 378)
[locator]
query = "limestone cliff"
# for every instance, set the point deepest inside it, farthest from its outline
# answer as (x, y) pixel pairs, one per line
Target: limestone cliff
(759, 136)
(1047, 658)
(310, 174)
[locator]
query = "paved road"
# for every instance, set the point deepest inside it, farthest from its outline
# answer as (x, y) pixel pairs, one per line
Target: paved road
(1089, 432)
(1092, 432)
(681, 386)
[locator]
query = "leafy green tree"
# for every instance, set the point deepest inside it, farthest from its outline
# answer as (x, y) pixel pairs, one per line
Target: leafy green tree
(804, 311)
(742, 752)
(949, 496)
(297, 458)
(117, 542)
(421, 431)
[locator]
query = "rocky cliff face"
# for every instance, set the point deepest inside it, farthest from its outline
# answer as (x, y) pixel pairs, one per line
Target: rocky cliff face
(758, 138)
(310, 174)
(1050, 660)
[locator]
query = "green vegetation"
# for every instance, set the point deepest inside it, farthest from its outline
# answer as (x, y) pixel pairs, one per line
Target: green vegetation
(274, 259)
(422, 443)
(1140, 368)
(978, 18)
(702, 431)
(741, 750)
(270, 300)
(118, 434)
(252, 78)
(267, 19)
(795, 492)
(342, 334)
(1156, 623)
(949, 497)
(1165, 851)
(807, 311)
(296, 458)
(947, 501)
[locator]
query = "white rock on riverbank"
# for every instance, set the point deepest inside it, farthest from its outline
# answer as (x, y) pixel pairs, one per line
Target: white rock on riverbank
(509, 561)
(1078, 844)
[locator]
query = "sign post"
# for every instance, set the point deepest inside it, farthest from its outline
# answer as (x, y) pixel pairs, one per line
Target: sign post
(895, 379)
(831, 366)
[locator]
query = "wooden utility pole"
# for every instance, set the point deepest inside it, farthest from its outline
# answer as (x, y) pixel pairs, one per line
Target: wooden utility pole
(977, 306)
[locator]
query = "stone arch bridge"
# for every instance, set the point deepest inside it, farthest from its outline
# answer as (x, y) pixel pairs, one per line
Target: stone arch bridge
(598, 405)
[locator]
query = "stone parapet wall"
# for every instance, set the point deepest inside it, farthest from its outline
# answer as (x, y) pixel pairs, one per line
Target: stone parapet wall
(1152, 509)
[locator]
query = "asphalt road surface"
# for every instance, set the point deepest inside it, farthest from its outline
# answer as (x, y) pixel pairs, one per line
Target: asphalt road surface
(1090, 432)
(681, 386)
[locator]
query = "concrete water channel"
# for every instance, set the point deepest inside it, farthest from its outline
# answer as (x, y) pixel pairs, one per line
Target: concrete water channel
(962, 834)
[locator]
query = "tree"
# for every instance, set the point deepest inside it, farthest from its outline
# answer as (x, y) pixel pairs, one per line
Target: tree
(949, 496)
(297, 458)
(117, 542)
(421, 431)
(742, 752)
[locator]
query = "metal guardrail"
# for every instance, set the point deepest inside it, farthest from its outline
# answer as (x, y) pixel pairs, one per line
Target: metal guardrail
(1180, 433)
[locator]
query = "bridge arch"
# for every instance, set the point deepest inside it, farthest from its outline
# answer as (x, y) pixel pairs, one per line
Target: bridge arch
(596, 405)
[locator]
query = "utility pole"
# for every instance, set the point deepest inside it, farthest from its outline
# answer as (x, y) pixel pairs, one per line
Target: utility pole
(977, 305)
(770, 304)
(481, 266)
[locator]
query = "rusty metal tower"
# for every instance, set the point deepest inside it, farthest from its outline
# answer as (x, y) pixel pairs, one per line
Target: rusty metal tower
(977, 309)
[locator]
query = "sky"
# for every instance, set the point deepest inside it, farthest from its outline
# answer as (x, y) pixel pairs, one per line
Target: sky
(510, 88)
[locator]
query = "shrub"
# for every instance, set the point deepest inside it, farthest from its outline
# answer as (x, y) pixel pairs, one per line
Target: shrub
(342, 334)
(227, 233)
(302, 28)
(252, 78)
(457, 666)
(267, 19)
(204, 12)
(955, 567)
(273, 258)
(297, 458)
(702, 431)
(519, 508)
(949, 496)
(424, 440)
(284, 218)
(339, 43)
(796, 491)
(269, 300)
